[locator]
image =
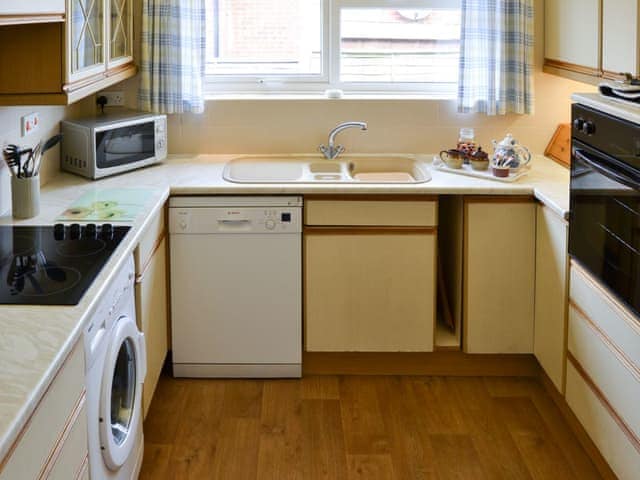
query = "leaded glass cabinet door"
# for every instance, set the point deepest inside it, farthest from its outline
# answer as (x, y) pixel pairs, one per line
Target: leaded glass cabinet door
(86, 32)
(120, 32)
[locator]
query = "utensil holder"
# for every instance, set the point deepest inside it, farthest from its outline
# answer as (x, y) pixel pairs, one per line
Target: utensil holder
(25, 196)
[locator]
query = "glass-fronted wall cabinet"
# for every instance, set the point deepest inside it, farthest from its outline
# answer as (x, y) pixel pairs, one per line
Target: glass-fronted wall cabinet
(121, 32)
(89, 49)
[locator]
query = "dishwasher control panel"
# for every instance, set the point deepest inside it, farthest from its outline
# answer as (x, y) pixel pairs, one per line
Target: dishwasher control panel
(227, 219)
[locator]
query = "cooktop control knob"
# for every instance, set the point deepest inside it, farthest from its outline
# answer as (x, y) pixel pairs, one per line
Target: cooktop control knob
(107, 231)
(578, 123)
(58, 231)
(90, 231)
(74, 231)
(589, 128)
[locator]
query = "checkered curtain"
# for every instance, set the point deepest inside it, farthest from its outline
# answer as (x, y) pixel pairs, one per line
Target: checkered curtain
(496, 57)
(173, 56)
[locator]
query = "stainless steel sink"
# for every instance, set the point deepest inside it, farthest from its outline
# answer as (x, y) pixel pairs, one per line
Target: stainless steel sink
(370, 169)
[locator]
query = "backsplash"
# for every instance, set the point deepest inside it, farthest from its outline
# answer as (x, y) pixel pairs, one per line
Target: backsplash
(401, 126)
(50, 117)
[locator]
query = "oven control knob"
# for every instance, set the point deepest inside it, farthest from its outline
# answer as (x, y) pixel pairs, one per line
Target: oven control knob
(107, 231)
(74, 231)
(270, 224)
(578, 123)
(589, 128)
(90, 231)
(58, 231)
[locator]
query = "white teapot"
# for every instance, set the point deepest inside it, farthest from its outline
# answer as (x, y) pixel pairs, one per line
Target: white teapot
(509, 153)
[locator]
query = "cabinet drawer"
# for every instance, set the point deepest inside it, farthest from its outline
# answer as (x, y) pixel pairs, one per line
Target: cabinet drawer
(616, 322)
(74, 450)
(45, 427)
(411, 212)
(619, 450)
(608, 368)
(149, 241)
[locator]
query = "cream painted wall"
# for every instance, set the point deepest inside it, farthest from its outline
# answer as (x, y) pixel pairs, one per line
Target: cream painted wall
(271, 126)
(50, 117)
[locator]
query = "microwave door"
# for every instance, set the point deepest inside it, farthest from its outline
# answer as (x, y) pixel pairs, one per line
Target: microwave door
(125, 145)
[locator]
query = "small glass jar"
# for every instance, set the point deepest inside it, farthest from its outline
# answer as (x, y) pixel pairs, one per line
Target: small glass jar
(466, 142)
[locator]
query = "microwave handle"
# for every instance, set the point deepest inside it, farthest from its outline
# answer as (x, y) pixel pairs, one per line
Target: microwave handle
(613, 175)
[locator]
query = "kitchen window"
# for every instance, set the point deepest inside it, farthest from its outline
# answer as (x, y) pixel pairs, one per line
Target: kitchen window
(309, 46)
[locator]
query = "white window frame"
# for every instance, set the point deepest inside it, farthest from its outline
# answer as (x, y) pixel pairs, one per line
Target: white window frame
(329, 78)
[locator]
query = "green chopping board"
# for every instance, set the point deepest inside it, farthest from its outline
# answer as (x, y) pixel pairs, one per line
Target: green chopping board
(108, 205)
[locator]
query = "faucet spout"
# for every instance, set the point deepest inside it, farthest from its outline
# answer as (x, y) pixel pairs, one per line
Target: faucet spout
(331, 150)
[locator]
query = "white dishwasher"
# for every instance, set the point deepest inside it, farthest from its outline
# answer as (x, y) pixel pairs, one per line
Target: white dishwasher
(236, 286)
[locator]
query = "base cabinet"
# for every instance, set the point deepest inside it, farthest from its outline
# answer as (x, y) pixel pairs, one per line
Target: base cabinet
(551, 293)
(603, 371)
(151, 302)
(54, 444)
(499, 275)
(370, 284)
(595, 416)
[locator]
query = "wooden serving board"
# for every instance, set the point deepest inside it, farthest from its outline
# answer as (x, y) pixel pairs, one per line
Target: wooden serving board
(559, 148)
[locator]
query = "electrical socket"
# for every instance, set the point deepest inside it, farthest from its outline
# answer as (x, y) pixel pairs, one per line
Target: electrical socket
(29, 123)
(114, 99)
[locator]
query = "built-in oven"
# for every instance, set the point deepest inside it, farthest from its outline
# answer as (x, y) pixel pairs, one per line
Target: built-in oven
(604, 229)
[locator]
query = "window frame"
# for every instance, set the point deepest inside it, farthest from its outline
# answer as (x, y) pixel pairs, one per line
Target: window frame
(329, 78)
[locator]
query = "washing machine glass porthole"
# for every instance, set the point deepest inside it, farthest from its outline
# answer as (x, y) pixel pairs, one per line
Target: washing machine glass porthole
(123, 391)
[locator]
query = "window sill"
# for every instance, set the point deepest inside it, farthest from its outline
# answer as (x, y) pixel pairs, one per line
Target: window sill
(322, 97)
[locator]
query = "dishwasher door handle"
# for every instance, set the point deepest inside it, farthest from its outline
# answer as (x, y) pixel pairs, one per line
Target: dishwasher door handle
(239, 224)
(234, 222)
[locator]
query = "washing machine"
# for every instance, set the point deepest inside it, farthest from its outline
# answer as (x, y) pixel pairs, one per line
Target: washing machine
(116, 367)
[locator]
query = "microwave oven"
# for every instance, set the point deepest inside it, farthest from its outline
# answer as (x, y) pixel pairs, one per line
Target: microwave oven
(112, 143)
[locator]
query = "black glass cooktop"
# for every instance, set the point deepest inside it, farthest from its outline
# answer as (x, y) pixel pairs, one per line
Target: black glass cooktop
(53, 265)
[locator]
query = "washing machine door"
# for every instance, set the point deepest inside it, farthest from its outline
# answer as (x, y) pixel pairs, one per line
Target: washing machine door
(120, 405)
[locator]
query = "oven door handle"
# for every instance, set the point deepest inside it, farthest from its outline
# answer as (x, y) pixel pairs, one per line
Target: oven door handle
(613, 175)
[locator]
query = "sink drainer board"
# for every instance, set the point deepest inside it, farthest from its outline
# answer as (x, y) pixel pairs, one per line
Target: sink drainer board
(485, 174)
(373, 177)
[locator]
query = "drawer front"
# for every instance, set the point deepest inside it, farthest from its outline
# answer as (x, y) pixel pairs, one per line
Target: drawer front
(45, 427)
(621, 453)
(607, 367)
(616, 322)
(149, 241)
(396, 212)
(74, 450)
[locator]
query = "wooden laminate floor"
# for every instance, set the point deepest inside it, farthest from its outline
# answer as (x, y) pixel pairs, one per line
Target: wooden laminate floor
(352, 427)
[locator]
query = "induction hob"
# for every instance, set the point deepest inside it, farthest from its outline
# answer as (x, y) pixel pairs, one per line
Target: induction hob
(53, 265)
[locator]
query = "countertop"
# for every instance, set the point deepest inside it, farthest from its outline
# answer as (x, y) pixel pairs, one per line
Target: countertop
(35, 340)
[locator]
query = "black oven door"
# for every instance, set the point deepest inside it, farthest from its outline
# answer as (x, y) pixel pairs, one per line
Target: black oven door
(119, 146)
(604, 231)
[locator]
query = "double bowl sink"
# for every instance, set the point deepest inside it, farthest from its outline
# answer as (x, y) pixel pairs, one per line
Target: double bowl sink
(368, 169)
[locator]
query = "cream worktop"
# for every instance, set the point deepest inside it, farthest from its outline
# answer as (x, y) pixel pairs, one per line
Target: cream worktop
(34, 340)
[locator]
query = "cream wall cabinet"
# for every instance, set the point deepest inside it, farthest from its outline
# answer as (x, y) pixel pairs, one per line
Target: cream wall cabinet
(151, 302)
(499, 275)
(587, 40)
(620, 36)
(572, 34)
(551, 293)
(370, 286)
(53, 444)
(61, 63)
